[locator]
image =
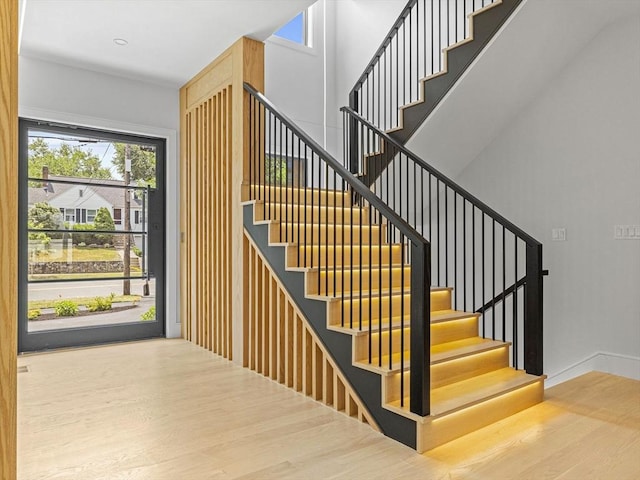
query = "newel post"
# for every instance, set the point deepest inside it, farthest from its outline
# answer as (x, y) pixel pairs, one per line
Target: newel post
(533, 327)
(420, 329)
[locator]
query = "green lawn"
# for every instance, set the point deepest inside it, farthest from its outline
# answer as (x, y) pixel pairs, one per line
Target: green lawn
(77, 255)
(40, 304)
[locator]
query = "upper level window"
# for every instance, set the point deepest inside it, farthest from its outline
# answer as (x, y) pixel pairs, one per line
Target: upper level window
(296, 30)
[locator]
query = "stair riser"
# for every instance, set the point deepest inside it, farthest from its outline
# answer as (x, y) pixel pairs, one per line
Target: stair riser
(457, 370)
(453, 371)
(297, 196)
(443, 335)
(442, 430)
(327, 235)
(311, 215)
(369, 308)
(356, 280)
(453, 330)
(347, 256)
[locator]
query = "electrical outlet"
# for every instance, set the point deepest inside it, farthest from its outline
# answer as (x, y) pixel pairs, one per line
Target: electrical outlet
(626, 232)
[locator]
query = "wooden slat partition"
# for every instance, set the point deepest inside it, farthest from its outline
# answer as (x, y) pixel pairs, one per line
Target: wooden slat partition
(214, 166)
(282, 346)
(8, 234)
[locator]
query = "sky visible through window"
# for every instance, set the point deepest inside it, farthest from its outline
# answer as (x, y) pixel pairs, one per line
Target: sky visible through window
(294, 30)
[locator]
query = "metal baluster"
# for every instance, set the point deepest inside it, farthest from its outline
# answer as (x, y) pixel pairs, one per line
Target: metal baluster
(446, 236)
(455, 250)
(473, 256)
(484, 298)
(493, 277)
(504, 279)
(515, 302)
(402, 242)
(464, 254)
(438, 225)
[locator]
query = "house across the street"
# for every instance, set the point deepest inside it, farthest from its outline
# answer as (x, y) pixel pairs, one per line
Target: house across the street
(79, 204)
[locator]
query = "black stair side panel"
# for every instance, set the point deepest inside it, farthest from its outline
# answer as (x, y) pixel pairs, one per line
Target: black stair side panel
(377, 163)
(366, 384)
(486, 25)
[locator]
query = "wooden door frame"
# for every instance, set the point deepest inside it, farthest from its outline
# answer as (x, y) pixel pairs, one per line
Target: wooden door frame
(8, 235)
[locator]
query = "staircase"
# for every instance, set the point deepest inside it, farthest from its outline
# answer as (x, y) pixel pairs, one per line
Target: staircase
(432, 65)
(427, 300)
(363, 282)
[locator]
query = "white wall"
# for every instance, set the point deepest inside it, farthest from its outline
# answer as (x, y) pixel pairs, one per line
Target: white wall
(361, 26)
(300, 80)
(310, 85)
(571, 159)
(54, 92)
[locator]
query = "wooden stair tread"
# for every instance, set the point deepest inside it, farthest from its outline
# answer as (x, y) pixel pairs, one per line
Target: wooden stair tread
(375, 293)
(462, 348)
(443, 353)
(457, 396)
(441, 316)
(350, 270)
(282, 205)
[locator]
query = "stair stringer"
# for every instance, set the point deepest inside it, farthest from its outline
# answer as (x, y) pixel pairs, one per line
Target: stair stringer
(366, 384)
(484, 24)
(296, 365)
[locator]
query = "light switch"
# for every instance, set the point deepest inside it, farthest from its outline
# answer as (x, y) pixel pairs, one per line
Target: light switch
(559, 234)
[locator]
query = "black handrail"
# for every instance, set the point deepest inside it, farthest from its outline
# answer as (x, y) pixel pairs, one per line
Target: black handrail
(274, 141)
(385, 43)
(502, 295)
(445, 180)
(358, 187)
(469, 239)
(413, 51)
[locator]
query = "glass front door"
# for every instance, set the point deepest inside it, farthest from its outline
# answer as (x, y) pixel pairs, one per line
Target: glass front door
(92, 236)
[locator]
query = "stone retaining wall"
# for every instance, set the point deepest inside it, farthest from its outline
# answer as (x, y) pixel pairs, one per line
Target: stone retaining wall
(40, 268)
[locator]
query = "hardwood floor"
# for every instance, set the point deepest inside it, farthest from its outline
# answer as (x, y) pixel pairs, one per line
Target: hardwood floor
(166, 409)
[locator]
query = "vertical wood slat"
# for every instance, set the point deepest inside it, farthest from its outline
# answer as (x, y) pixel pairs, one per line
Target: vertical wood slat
(285, 348)
(214, 109)
(8, 235)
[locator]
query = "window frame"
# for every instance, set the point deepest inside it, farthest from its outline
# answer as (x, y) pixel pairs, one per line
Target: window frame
(307, 25)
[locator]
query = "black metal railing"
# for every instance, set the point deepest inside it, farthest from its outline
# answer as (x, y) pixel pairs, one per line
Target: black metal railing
(494, 267)
(361, 253)
(411, 51)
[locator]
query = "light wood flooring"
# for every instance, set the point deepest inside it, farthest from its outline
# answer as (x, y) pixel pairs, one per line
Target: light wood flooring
(166, 409)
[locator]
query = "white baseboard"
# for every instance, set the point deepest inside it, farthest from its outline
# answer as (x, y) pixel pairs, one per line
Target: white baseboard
(616, 364)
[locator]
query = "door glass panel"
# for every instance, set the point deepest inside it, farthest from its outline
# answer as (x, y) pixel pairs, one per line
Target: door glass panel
(87, 216)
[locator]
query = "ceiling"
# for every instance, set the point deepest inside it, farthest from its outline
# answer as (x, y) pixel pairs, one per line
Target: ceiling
(169, 41)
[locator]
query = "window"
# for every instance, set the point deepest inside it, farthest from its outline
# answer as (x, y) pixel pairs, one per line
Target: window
(70, 215)
(91, 215)
(117, 216)
(80, 193)
(296, 30)
(136, 217)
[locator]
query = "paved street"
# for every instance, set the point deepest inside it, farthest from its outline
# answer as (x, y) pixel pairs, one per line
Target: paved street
(98, 288)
